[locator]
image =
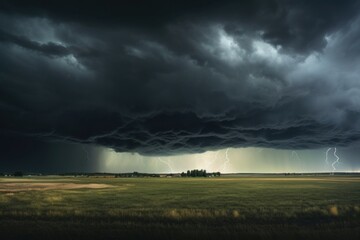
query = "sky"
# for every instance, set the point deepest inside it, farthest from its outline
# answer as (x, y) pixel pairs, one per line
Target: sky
(160, 86)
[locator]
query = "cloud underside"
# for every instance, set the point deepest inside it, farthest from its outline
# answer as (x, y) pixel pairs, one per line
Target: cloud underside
(182, 79)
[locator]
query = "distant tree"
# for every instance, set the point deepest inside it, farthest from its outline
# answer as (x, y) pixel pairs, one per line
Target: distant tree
(199, 173)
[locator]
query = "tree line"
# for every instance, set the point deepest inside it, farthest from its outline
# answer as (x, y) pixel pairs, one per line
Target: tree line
(199, 173)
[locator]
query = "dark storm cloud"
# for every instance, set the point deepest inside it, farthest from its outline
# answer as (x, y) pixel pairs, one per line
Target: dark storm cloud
(21, 153)
(171, 78)
(50, 49)
(296, 24)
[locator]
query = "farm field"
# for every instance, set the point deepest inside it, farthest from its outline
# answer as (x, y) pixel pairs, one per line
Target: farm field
(259, 207)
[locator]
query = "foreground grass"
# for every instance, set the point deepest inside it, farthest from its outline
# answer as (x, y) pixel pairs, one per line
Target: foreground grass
(181, 208)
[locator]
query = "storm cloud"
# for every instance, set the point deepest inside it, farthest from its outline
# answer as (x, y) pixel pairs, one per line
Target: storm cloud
(163, 79)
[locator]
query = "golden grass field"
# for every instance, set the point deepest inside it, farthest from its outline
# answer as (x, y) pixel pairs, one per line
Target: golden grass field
(253, 207)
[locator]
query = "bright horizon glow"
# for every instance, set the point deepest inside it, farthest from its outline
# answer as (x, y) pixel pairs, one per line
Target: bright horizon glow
(241, 160)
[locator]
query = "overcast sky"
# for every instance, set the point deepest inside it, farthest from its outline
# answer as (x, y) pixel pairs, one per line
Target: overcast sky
(81, 80)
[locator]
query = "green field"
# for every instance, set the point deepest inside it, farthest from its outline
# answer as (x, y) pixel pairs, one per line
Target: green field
(268, 207)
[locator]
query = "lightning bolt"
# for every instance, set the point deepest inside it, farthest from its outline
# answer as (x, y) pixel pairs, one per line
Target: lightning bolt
(294, 154)
(326, 156)
(335, 162)
(227, 161)
(167, 163)
(139, 161)
(212, 161)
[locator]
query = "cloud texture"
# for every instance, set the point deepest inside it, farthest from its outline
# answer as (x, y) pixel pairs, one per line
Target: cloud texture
(162, 79)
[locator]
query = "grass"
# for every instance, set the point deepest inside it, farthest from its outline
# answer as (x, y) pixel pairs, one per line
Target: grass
(186, 208)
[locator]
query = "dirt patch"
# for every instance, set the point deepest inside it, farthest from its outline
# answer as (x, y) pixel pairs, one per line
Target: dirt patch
(20, 187)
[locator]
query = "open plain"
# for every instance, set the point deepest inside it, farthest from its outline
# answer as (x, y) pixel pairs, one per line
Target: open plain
(252, 207)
